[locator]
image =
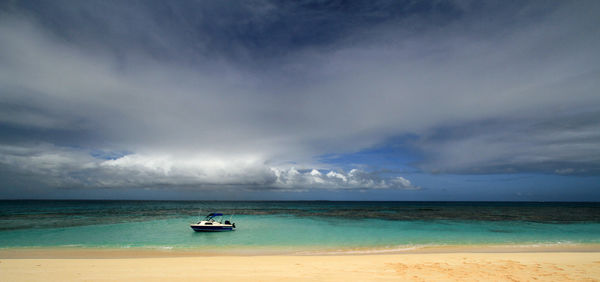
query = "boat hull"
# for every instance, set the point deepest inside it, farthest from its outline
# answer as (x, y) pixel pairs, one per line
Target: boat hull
(204, 228)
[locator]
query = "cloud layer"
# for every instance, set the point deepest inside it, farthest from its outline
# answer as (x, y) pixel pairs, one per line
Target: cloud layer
(211, 94)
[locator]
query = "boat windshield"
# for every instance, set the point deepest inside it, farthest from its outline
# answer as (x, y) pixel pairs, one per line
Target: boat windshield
(213, 216)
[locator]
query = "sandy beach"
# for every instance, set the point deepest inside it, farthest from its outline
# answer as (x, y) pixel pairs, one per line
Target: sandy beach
(37, 265)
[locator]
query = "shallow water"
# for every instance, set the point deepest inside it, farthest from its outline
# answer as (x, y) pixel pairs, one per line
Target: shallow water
(295, 226)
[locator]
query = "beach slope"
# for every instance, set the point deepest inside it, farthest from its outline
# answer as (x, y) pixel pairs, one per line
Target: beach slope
(545, 266)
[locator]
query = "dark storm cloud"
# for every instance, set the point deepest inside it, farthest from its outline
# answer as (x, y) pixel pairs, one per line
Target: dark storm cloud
(563, 144)
(251, 93)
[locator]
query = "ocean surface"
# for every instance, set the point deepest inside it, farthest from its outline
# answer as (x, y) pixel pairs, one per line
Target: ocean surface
(296, 226)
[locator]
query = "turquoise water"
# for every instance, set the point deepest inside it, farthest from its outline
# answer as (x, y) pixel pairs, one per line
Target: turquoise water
(294, 226)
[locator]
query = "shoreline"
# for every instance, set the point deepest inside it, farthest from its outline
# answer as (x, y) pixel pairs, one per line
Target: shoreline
(70, 252)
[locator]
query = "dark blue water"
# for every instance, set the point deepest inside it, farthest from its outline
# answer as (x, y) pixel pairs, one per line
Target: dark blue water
(295, 225)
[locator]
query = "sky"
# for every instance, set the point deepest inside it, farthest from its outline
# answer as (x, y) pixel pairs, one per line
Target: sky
(452, 100)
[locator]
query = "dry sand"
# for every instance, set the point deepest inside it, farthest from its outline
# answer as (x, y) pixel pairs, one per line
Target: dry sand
(456, 266)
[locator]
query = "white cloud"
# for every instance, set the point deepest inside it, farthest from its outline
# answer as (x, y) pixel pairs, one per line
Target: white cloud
(354, 179)
(63, 167)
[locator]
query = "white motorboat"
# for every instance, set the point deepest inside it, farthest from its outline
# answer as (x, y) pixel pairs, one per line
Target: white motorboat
(213, 223)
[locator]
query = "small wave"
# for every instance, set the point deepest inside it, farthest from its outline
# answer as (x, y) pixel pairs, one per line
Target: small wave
(501, 231)
(362, 251)
(549, 244)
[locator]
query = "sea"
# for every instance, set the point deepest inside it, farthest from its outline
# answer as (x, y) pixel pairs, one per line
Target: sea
(299, 227)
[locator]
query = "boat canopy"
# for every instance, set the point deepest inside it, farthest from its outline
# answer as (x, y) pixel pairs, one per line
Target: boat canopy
(215, 214)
